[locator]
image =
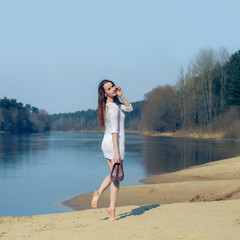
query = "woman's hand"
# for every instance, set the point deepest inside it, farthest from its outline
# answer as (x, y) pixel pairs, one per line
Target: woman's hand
(119, 91)
(116, 158)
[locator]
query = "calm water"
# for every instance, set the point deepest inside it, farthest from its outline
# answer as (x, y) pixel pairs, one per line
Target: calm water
(39, 171)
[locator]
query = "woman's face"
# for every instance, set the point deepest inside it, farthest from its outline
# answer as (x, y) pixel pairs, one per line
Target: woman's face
(110, 90)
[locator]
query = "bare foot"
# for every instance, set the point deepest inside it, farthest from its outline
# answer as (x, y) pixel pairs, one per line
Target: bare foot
(95, 199)
(112, 214)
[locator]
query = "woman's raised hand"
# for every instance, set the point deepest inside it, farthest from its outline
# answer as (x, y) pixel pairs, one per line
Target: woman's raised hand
(119, 91)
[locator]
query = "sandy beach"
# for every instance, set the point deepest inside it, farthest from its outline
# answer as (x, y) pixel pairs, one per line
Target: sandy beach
(201, 202)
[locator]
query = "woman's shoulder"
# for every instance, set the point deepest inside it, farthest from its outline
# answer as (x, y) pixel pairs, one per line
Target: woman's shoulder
(112, 107)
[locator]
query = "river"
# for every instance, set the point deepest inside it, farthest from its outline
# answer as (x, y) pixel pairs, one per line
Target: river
(39, 171)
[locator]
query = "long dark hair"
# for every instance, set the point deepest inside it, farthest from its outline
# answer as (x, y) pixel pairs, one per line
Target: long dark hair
(102, 102)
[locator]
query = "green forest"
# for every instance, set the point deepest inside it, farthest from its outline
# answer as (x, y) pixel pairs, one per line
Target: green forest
(17, 118)
(206, 99)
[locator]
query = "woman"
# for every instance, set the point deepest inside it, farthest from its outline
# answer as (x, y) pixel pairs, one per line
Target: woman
(110, 116)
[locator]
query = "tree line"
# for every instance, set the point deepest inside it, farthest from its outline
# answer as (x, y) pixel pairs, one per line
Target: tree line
(207, 96)
(17, 118)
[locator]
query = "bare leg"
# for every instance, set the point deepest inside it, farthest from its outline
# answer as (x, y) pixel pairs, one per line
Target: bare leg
(97, 194)
(95, 199)
(107, 181)
(114, 190)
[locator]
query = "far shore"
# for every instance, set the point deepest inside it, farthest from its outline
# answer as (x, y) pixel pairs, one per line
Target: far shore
(178, 134)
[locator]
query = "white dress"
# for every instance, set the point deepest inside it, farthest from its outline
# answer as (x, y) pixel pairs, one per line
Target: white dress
(114, 123)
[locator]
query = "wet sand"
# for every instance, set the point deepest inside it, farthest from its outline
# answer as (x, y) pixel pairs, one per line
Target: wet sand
(213, 181)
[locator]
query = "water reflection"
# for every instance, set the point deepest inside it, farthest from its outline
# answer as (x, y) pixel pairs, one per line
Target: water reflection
(163, 154)
(76, 141)
(16, 149)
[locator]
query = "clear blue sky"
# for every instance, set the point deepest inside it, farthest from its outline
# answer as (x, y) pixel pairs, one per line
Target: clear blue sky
(53, 53)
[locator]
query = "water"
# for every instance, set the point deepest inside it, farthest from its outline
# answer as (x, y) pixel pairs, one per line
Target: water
(39, 171)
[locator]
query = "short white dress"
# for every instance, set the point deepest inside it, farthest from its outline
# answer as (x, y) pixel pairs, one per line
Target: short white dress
(114, 123)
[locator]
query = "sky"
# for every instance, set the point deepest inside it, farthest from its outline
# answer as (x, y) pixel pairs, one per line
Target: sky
(54, 53)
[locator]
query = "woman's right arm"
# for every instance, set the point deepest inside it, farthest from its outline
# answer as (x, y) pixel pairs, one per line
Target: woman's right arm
(115, 147)
(114, 115)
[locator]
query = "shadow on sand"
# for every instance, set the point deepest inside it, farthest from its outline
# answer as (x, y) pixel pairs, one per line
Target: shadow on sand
(135, 212)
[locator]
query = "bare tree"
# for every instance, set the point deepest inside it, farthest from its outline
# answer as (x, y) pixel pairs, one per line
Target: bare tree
(204, 67)
(162, 110)
(224, 57)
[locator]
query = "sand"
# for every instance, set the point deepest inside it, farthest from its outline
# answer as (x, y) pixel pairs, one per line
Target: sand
(197, 203)
(213, 181)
